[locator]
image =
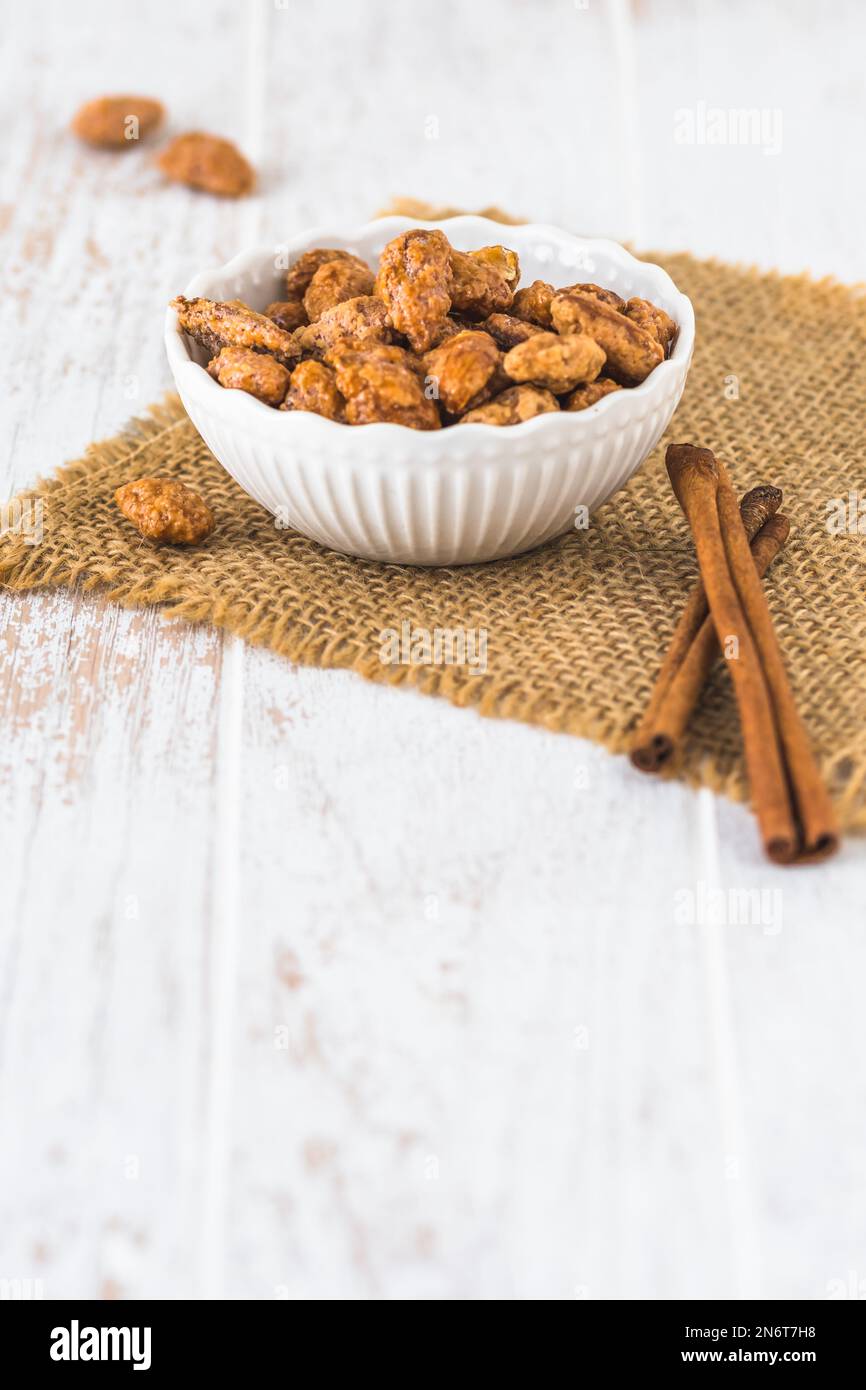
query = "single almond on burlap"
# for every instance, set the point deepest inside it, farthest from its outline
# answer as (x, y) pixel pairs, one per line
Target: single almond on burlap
(163, 509)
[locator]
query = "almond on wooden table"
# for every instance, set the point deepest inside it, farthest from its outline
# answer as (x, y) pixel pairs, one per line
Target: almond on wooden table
(208, 163)
(117, 122)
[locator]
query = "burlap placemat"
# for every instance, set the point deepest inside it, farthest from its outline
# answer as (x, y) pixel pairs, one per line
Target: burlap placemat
(576, 630)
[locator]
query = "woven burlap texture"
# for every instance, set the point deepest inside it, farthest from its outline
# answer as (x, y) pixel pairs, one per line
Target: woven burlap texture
(576, 630)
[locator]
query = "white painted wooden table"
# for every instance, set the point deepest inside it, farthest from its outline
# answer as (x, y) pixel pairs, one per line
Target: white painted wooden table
(316, 989)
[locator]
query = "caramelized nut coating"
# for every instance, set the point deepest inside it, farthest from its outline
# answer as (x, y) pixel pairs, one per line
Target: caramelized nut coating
(436, 337)
(502, 259)
(117, 122)
(217, 325)
(361, 320)
(165, 510)
(582, 397)
(208, 163)
(314, 387)
(631, 352)
(334, 282)
(454, 324)
(377, 388)
(512, 407)
(559, 363)
(509, 331)
(414, 281)
(259, 374)
(287, 313)
(299, 275)
(533, 303)
(483, 281)
(496, 384)
(382, 352)
(460, 369)
(598, 292)
(657, 323)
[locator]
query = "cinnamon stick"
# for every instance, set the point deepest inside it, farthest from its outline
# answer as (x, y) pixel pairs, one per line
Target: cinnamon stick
(694, 646)
(791, 803)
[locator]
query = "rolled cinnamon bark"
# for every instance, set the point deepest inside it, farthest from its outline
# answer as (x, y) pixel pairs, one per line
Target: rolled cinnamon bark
(693, 647)
(818, 831)
(790, 801)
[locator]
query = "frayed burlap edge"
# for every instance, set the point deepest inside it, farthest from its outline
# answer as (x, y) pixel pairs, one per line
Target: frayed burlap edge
(22, 569)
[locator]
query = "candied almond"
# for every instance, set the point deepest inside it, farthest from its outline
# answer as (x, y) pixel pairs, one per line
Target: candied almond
(501, 259)
(301, 272)
(508, 331)
(533, 303)
(460, 368)
(414, 282)
(382, 352)
(558, 362)
(632, 353)
(117, 122)
(582, 397)
(257, 373)
(483, 281)
(216, 324)
(209, 163)
(512, 407)
(656, 322)
(598, 292)
(314, 388)
(288, 314)
(334, 282)
(163, 509)
(379, 388)
(360, 320)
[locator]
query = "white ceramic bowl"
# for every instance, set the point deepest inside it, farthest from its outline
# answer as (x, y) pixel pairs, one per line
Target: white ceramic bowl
(440, 497)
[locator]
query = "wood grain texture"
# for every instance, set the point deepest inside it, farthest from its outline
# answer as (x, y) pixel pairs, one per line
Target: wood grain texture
(316, 989)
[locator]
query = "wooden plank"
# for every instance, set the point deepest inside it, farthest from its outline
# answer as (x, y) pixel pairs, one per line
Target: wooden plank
(453, 1071)
(111, 718)
(108, 778)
